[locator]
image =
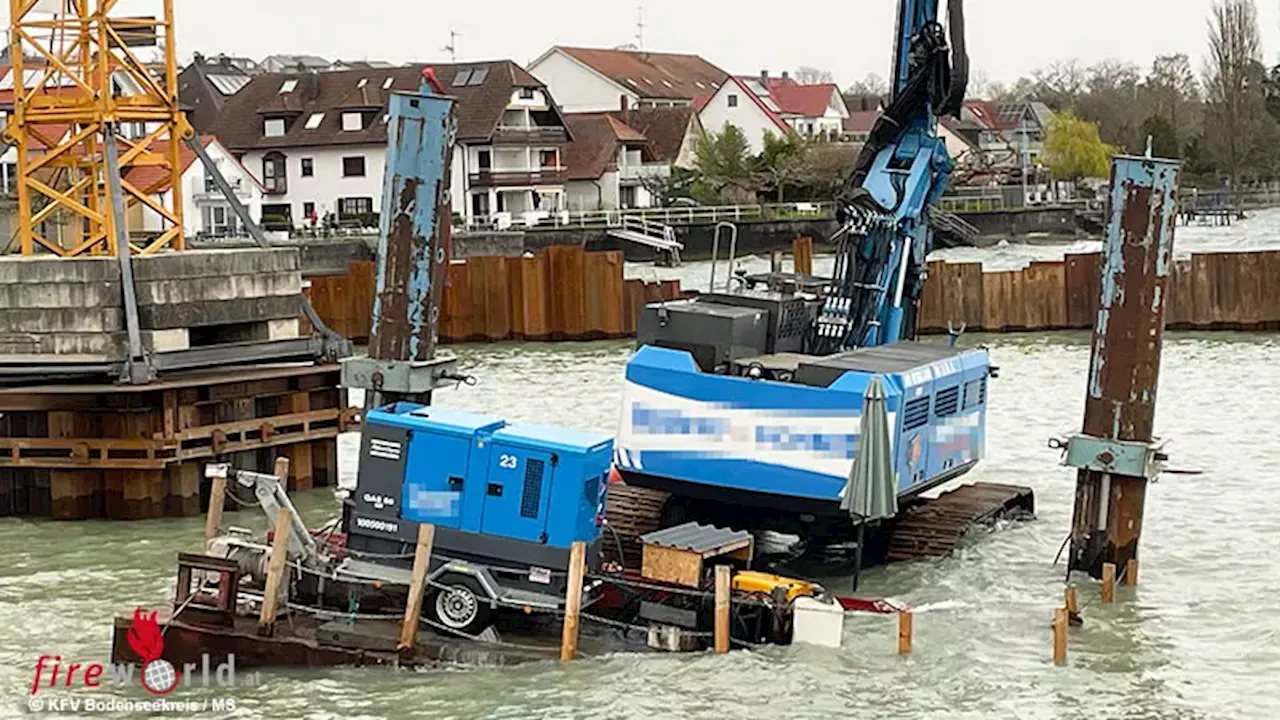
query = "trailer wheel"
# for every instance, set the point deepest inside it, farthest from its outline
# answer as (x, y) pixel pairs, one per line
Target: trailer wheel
(461, 605)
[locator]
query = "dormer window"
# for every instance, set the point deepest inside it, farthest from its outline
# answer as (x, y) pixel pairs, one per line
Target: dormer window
(352, 121)
(526, 93)
(273, 128)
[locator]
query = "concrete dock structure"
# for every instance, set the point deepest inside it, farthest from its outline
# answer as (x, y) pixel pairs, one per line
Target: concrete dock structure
(230, 376)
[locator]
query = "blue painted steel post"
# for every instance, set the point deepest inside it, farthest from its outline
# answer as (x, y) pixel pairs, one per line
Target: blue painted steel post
(1124, 368)
(413, 244)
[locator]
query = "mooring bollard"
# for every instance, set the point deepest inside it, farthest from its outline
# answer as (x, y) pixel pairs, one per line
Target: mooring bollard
(1108, 582)
(904, 632)
(722, 608)
(217, 496)
(573, 601)
(417, 586)
(275, 572)
(1131, 572)
(1060, 636)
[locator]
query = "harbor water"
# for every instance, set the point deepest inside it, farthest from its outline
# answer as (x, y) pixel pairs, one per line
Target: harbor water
(1199, 638)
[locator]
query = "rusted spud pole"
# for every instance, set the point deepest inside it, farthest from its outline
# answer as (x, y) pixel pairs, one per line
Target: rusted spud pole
(1116, 453)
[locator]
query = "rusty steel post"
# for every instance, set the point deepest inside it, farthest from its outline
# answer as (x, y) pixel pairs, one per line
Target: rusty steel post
(412, 253)
(1116, 454)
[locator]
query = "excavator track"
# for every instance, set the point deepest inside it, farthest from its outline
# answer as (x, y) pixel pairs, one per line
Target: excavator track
(933, 528)
(631, 512)
(930, 528)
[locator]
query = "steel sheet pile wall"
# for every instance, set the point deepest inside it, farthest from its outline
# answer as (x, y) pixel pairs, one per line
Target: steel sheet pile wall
(1211, 291)
(128, 453)
(562, 294)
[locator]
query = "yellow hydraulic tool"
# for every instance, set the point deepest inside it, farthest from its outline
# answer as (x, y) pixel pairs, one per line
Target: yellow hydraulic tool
(758, 582)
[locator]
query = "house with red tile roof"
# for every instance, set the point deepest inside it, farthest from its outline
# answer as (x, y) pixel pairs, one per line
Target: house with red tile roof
(735, 103)
(614, 157)
(810, 110)
(600, 80)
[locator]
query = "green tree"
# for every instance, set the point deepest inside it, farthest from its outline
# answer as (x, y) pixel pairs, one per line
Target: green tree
(783, 162)
(1164, 140)
(724, 165)
(1074, 150)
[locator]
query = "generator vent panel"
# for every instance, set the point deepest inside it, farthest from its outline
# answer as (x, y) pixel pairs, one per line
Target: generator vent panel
(531, 498)
(948, 401)
(917, 413)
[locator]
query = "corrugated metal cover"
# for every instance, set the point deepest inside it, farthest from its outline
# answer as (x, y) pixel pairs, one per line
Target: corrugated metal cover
(694, 537)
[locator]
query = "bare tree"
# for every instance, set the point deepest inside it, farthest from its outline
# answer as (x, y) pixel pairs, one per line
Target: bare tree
(1060, 83)
(1233, 77)
(872, 84)
(806, 75)
(1171, 92)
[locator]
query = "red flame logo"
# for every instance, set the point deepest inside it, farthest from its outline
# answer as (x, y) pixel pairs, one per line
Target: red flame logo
(158, 676)
(145, 637)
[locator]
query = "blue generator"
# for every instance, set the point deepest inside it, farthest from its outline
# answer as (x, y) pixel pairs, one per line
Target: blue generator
(507, 501)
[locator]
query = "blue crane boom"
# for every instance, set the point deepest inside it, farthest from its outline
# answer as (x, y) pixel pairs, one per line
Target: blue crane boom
(901, 173)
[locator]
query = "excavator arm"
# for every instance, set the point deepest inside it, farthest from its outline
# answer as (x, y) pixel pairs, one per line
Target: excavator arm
(900, 174)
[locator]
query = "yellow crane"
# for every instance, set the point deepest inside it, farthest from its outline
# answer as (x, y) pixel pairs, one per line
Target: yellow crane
(77, 82)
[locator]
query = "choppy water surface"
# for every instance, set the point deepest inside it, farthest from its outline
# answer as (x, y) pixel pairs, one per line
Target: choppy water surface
(1200, 638)
(1260, 231)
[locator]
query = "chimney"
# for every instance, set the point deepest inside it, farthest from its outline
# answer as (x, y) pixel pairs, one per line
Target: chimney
(764, 78)
(786, 76)
(198, 59)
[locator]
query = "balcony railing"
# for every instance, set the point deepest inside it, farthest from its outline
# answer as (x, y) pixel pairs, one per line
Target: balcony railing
(504, 178)
(642, 172)
(531, 135)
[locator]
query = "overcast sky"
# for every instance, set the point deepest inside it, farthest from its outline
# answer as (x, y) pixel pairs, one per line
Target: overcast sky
(852, 38)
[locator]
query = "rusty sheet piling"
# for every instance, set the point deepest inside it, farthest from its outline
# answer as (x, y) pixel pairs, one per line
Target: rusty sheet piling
(1116, 454)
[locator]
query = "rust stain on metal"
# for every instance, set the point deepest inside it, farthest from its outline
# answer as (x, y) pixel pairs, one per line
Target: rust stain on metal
(1121, 404)
(391, 337)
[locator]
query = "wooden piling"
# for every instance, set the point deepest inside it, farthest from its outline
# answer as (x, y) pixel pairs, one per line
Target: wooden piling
(723, 589)
(417, 586)
(217, 496)
(573, 601)
(275, 572)
(1060, 636)
(904, 632)
(1131, 572)
(1108, 582)
(1072, 601)
(802, 255)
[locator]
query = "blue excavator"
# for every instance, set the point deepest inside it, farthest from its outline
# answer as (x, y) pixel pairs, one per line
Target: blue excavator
(743, 408)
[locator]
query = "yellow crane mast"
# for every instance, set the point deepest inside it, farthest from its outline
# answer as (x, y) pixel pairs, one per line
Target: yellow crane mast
(76, 81)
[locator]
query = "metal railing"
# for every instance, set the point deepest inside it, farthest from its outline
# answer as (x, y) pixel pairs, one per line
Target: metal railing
(691, 215)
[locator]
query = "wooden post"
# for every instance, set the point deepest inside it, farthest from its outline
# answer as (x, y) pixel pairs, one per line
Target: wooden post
(904, 632)
(722, 608)
(802, 255)
(417, 586)
(573, 601)
(1060, 636)
(282, 470)
(217, 496)
(275, 572)
(1108, 582)
(1131, 572)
